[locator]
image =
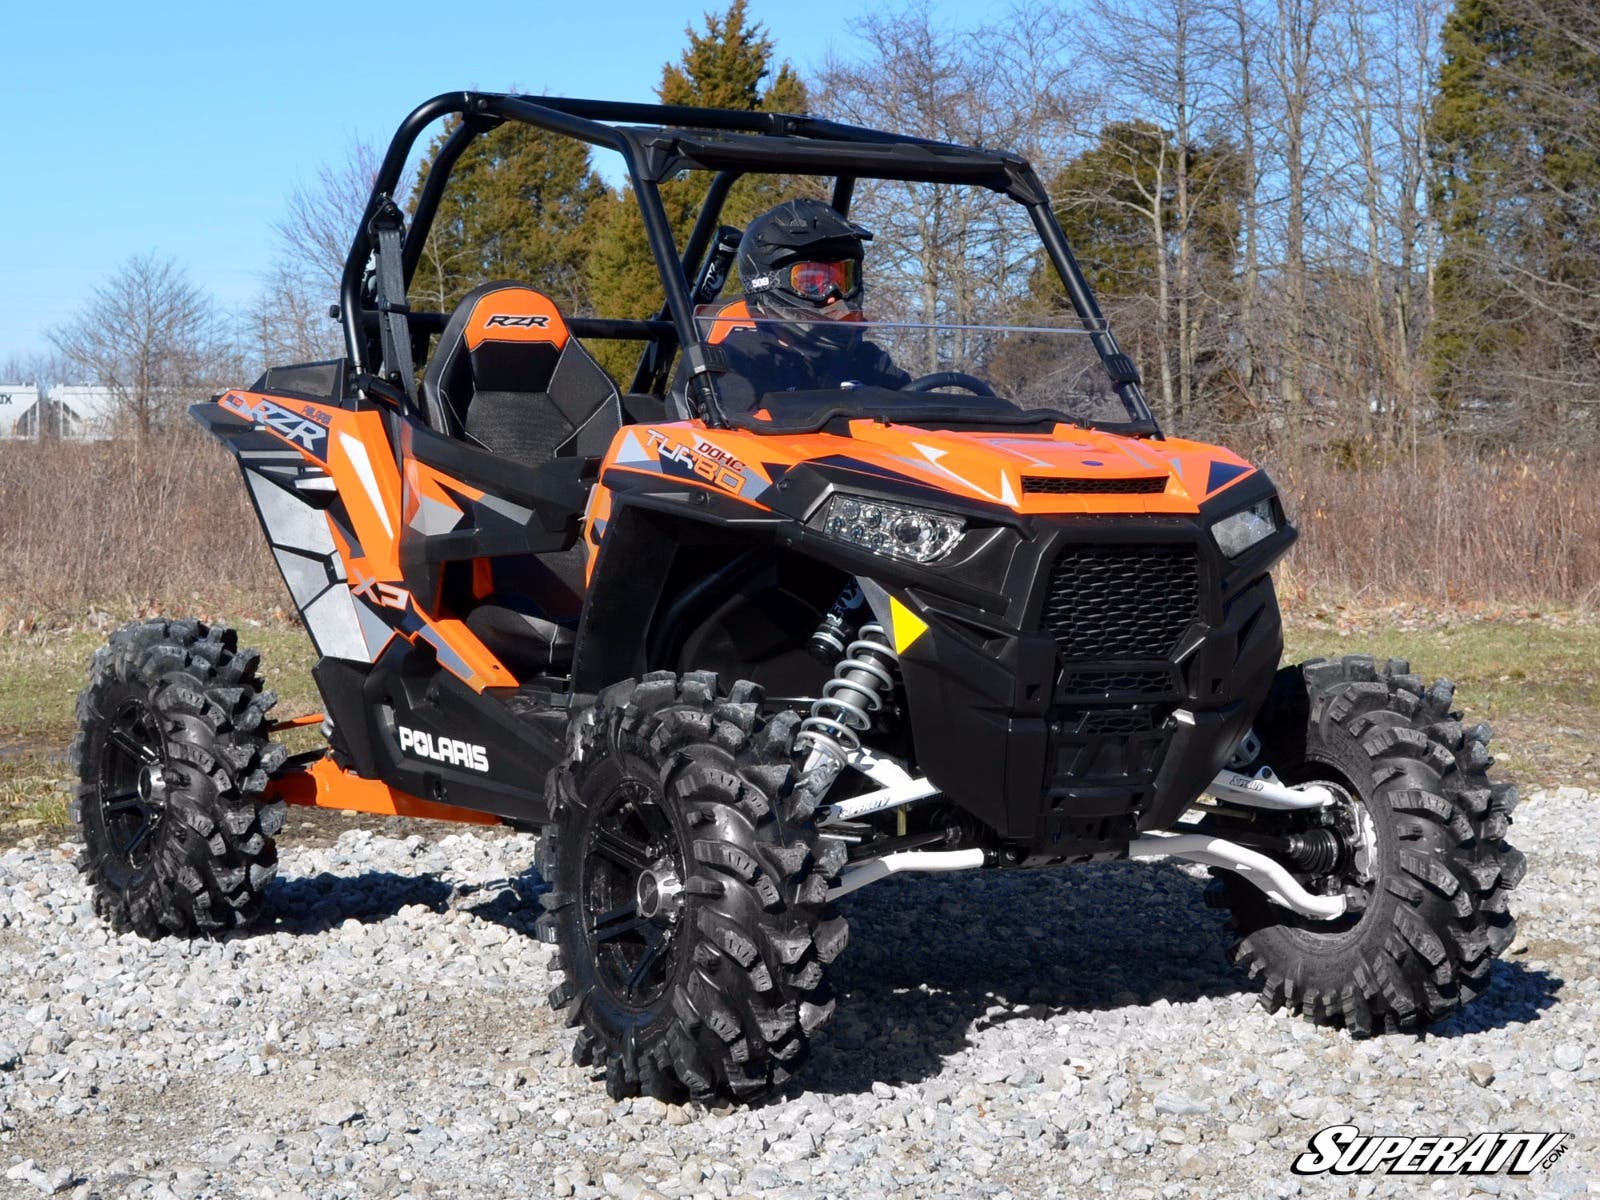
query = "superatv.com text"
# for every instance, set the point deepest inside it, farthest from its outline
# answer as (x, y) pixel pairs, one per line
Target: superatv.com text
(1345, 1150)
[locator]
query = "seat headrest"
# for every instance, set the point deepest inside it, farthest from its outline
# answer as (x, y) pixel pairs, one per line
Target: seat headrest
(511, 313)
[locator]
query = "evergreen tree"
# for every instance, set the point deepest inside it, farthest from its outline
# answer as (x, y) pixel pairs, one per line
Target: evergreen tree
(518, 206)
(724, 66)
(1515, 140)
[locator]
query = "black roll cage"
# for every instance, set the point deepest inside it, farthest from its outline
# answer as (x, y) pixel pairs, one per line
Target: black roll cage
(656, 141)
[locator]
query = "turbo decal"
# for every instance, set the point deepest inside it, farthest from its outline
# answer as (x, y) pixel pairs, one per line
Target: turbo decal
(709, 462)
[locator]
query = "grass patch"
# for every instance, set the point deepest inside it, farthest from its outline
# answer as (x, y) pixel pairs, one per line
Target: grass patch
(1534, 679)
(40, 676)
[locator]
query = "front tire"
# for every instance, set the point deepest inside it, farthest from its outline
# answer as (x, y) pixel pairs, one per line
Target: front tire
(688, 899)
(171, 757)
(1429, 886)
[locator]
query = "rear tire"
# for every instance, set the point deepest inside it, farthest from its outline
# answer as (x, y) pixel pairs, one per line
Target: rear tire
(1429, 897)
(171, 757)
(688, 899)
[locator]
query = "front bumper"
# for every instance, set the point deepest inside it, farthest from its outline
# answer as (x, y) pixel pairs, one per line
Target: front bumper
(1072, 757)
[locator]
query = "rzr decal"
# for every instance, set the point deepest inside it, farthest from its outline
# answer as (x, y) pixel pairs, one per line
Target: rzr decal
(307, 430)
(517, 321)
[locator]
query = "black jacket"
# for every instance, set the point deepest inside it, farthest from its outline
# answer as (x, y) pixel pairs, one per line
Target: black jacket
(767, 360)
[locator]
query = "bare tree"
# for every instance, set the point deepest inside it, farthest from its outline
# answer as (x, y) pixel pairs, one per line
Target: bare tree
(1244, 114)
(948, 255)
(1164, 64)
(288, 320)
(39, 369)
(314, 234)
(152, 337)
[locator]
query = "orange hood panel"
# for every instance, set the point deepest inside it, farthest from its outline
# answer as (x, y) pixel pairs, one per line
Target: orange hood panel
(1069, 470)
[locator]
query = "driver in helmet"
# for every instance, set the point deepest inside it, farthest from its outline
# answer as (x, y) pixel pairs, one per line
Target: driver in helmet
(800, 267)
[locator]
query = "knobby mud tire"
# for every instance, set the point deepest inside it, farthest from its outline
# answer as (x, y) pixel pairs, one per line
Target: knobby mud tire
(1437, 909)
(181, 696)
(745, 989)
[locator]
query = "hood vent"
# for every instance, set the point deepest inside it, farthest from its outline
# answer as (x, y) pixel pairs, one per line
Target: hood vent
(1094, 486)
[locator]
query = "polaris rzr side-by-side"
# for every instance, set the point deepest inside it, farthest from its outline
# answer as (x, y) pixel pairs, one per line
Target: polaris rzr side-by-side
(835, 590)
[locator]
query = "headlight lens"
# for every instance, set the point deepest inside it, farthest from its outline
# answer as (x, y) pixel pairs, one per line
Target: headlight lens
(1237, 532)
(898, 530)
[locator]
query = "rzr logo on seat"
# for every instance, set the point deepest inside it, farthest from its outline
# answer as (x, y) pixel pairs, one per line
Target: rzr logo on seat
(517, 321)
(443, 749)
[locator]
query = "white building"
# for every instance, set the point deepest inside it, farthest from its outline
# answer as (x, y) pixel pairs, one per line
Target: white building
(19, 405)
(86, 413)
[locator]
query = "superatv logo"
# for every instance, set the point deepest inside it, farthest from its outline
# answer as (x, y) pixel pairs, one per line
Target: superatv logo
(516, 321)
(1345, 1150)
(443, 749)
(292, 426)
(710, 462)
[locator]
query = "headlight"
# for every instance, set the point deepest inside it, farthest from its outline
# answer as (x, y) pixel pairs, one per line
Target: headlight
(1237, 532)
(898, 530)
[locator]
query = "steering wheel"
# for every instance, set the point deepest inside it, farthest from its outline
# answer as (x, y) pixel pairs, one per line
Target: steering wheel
(943, 379)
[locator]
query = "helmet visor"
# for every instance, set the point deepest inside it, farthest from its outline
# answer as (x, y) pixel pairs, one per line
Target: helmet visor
(822, 281)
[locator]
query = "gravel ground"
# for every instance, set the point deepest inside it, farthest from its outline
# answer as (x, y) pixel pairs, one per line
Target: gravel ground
(1024, 1034)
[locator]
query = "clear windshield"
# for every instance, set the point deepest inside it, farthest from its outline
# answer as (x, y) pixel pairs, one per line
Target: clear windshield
(1035, 362)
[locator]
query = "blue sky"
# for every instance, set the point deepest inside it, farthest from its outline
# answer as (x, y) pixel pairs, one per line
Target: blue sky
(181, 128)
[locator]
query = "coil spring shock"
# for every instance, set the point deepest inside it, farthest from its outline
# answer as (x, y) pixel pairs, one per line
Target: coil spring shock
(844, 710)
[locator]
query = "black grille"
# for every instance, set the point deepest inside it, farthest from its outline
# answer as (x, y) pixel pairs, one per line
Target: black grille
(1057, 486)
(1117, 720)
(1109, 602)
(1138, 684)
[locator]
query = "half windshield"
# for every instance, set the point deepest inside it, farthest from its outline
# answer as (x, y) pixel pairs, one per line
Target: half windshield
(1032, 363)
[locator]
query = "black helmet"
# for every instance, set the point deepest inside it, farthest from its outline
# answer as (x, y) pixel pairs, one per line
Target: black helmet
(802, 260)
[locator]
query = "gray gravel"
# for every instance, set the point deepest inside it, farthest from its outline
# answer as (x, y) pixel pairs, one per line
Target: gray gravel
(1039, 1034)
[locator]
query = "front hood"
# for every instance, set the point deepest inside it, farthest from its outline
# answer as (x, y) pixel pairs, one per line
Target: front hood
(1068, 470)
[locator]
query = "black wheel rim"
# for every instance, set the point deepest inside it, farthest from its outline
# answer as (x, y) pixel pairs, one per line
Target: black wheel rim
(130, 790)
(631, 904)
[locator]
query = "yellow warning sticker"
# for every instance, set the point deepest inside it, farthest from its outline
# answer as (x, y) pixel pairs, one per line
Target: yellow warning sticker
(908, 627)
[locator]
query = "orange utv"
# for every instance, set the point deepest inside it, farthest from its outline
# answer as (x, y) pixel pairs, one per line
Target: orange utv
(734, 660)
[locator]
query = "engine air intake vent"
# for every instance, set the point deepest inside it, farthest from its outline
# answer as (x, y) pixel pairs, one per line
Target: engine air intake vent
(1121, 602)
(1057, 486)
(1135, 684)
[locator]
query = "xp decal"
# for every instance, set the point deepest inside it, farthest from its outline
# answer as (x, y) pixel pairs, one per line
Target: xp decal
(385, 594)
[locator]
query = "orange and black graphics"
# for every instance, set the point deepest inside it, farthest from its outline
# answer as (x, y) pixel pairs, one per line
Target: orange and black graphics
(333, 512)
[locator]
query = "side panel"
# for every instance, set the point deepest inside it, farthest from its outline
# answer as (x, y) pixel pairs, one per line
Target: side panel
(328, 490)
